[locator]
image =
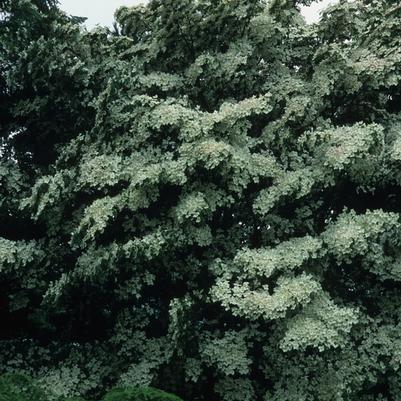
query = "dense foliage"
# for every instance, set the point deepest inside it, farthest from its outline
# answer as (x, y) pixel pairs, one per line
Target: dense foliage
(17, 387)
(205, 199)
(139, 394)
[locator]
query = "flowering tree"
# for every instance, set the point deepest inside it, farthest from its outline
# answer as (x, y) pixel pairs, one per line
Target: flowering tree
(205, 199)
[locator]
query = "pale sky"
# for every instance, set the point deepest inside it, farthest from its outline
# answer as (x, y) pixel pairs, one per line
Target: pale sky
(100, 12)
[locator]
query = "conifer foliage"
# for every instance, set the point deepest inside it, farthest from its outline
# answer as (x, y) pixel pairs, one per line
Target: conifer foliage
(205, 199)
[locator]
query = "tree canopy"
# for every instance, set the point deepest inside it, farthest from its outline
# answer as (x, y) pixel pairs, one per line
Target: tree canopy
(205, 199)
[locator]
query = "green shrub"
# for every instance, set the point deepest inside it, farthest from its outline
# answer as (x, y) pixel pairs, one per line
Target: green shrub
(74, 399)
(139, 394)
(17, 387)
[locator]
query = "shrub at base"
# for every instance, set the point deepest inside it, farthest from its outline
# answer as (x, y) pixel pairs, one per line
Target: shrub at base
(139, 394)
(15, 387)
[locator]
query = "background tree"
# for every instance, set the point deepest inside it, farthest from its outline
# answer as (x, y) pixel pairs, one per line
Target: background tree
(216, 201)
